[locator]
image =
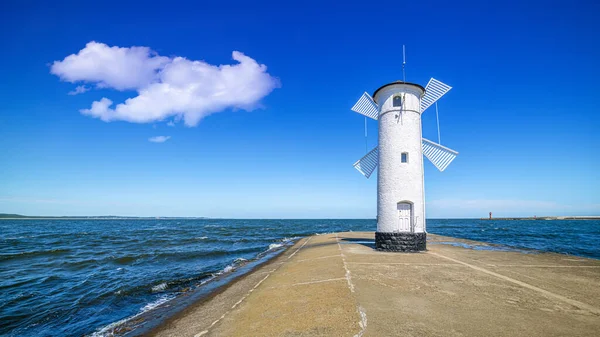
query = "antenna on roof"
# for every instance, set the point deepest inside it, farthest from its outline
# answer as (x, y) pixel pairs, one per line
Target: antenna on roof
(403, 63)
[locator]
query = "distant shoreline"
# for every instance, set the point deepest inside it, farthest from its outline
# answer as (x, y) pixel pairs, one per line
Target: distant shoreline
(109, 217)
(98, 218)
(549, 218)
(12, 216)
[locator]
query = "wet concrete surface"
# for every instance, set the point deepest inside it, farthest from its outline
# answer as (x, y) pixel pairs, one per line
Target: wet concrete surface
(338, 285)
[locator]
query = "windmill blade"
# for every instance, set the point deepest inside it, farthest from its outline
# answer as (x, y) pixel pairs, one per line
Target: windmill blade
(367, 164)
(366, 106)
(433, 91)
(440, 156)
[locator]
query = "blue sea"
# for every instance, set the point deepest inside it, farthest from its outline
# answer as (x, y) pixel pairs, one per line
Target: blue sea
(78, 277)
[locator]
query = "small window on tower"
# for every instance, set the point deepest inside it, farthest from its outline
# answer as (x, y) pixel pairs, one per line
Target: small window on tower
(404, 157)
(397, 101)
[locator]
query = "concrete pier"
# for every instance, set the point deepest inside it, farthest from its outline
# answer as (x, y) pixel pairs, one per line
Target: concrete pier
(338, 285)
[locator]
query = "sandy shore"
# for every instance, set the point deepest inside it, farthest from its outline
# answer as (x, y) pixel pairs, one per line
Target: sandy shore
(337, 285)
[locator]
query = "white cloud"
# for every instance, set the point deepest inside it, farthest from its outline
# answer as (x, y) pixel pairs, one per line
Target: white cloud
(79, 90)
(167, 87)
(112, 67)
(99, 109)
(171, 123)
(159, 139)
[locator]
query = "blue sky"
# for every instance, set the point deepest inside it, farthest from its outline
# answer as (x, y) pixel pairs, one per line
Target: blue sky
(523, 111)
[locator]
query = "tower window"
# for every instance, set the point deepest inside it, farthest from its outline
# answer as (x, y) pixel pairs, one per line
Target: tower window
(397, 101)
(404, 158)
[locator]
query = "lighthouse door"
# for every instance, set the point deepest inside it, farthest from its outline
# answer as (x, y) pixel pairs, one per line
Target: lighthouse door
(404, 216)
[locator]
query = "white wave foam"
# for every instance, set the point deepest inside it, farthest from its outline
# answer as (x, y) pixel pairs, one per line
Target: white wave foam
(160, 287)
(202, 237)
(159, 301)
(109, 330)
(212, 277)
(283, 242)
(227, 269)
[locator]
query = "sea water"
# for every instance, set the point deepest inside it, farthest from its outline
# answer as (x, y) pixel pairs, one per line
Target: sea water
(78, 277)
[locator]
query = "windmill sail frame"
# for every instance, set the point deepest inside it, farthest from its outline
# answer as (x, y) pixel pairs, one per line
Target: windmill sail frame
(366, 106)
(438, 155)
(367, 164)
(433, 92)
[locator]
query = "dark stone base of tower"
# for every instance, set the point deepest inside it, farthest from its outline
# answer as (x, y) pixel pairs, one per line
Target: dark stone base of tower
(401, 242)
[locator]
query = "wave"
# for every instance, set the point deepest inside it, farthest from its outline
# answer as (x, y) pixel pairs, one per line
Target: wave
(187, 255)
(172, 285)
(35, 253)
(112, 328)
(158, 255)
(159, 287)
(227, 269)
(152, 305)
(125, 259)
(282, 242)
(117, 268)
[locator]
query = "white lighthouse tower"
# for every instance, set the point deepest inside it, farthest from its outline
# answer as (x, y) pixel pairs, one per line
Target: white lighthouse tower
(399, 157)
